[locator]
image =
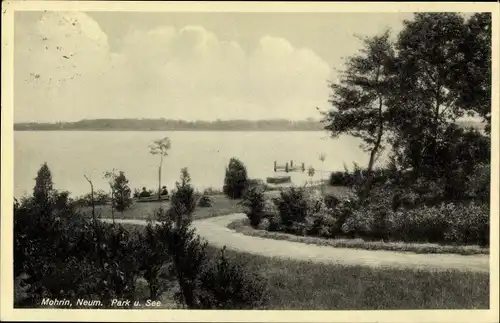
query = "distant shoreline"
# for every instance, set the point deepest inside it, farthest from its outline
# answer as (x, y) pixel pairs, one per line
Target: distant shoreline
(277, 125)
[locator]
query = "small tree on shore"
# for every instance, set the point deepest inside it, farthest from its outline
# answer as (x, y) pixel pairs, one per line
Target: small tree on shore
(120, 191)
(184, 199)
(236, 179)
(160, 147)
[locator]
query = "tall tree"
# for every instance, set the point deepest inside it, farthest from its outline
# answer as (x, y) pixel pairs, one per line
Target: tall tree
(444, 72)
(160, 147)
(473, 72)
(360, 97)
(425, 96)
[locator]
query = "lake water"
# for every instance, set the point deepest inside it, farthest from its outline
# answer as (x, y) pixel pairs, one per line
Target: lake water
(73, 154)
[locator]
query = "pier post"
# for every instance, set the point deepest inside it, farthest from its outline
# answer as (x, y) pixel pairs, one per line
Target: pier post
(286, 167)
(275, 166)
(291, 163)
(303, 167)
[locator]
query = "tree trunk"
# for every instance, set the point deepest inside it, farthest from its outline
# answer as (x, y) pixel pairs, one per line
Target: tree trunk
(112, 206)
(373, 153)
(159, 178)
(97, 233)
(92, 198)
(159, 183)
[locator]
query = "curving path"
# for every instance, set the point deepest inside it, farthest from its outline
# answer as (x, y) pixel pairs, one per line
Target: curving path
(216, 232)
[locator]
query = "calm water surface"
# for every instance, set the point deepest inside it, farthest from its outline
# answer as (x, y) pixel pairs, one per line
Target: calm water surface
(71, 154)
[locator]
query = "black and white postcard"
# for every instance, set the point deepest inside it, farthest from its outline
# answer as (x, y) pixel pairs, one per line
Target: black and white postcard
(250, 161)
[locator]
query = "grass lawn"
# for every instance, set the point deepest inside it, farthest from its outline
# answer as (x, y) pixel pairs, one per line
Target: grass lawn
(243, 226)
(295, 285)
(142, 210)
(304, 285)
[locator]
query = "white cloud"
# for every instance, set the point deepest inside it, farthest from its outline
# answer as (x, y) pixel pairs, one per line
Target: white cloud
(65, 71)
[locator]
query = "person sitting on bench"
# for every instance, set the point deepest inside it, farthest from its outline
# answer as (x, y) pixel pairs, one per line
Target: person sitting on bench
(144, 193)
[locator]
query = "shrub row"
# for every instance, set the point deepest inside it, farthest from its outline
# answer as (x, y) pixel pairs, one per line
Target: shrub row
(387, 216)
(446, 223)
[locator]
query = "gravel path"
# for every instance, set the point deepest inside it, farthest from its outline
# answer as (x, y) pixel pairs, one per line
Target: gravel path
(215, 231)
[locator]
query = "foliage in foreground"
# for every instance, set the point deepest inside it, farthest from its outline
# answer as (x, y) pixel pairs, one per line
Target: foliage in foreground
(254, 203)
(300, 285)
(59, 253)
(391, 215)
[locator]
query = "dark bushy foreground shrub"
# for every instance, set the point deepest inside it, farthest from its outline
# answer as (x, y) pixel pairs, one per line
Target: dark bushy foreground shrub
(59, 253)
(292, 206)
(254, 203)
(225, 285)
(235, 180)
(62, 254)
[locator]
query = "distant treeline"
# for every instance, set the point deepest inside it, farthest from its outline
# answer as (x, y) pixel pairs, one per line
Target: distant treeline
(175, 125)
(182, 125)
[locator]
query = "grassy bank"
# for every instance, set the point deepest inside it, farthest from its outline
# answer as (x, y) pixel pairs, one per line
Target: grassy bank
(221, 205)
(243, 226)
(294, 285)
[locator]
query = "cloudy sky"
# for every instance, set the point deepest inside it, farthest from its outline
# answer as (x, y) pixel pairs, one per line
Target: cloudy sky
(202, 66)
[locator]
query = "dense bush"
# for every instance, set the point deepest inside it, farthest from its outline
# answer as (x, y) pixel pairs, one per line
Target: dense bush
(446, 223)
(340, 178)
(59, 253)
(478, 183)
(235, 180)
(293, 207)
(331, 201)
(64, 255)
(356, 177)
(415, 213)
(205, 200)
(303, 212)
(254, 202)
(226, 285)
(343, 211)
(255, 183)
(322, 223)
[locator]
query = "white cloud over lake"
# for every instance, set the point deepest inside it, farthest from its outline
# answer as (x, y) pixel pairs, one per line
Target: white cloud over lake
(65, 69)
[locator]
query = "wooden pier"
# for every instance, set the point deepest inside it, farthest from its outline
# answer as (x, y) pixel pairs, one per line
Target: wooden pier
(289, 167)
